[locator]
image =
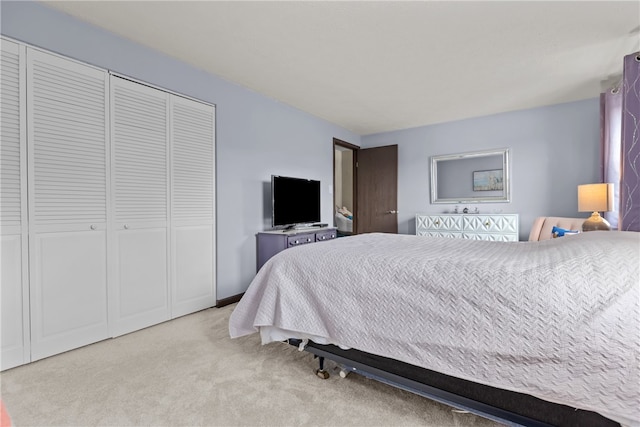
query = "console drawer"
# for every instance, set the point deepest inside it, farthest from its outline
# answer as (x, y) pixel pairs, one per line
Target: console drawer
(326, 235)
(300, 239)
(272, 242)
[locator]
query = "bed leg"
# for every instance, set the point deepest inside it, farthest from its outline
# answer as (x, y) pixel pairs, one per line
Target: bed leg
(321, 373)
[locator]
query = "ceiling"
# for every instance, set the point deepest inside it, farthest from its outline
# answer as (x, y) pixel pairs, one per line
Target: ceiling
(372, 66)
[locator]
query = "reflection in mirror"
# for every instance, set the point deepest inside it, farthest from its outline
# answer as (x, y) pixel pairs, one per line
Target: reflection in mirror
(481, 176)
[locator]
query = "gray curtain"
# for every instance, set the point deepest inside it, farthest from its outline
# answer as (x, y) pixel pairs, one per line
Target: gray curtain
(611, 137)
(630, 173)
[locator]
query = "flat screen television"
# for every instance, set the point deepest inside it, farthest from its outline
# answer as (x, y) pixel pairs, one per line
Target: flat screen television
(295, 201)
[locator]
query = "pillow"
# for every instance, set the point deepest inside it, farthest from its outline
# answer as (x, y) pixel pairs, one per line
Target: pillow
(561, 232)
(344, 211)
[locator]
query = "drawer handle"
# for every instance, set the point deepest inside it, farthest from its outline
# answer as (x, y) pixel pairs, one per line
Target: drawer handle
(437, 223)
(486, 223)
(126, 226)
(93, 226)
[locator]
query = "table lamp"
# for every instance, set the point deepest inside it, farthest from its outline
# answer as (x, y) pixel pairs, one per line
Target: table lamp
(595, 198)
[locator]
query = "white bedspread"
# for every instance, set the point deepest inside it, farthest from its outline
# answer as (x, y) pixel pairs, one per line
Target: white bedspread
(557, 319)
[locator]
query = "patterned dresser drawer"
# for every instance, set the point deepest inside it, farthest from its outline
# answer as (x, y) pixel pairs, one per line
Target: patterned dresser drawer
(439, 222)
(502, 227)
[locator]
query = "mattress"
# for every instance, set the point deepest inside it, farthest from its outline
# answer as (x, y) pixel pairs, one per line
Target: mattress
(556, 319)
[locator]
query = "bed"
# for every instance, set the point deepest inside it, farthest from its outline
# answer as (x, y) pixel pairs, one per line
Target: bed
(554, 321)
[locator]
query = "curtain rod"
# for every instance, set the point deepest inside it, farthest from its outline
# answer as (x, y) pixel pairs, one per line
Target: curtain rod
(617, 85)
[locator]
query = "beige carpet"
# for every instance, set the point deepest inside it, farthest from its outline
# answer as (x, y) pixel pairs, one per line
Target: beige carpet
(188, 372)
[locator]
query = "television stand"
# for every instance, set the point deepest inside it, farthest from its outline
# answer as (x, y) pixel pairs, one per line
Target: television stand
(270, 243)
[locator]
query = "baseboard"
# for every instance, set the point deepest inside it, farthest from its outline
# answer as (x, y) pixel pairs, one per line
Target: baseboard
(229, 300)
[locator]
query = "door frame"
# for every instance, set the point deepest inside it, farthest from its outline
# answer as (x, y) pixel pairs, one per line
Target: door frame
(354, 149)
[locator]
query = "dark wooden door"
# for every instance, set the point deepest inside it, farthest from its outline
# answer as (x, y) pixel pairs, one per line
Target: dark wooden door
(377, 190)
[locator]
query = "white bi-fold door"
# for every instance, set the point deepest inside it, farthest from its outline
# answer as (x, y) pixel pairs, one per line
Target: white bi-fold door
(163, 197)
(139, 289)
(68, 174)
(192, 206)
(14, 294)
(107, 205)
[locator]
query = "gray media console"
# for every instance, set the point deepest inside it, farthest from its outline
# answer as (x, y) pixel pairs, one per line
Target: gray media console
(272, 242)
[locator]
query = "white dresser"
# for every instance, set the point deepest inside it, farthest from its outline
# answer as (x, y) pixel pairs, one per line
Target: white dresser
(499, 227)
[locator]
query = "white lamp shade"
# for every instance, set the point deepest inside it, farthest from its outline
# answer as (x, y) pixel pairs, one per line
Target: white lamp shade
(595, 197)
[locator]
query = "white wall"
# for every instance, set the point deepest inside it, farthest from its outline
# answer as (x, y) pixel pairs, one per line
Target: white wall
(347, 180)
(256, 136)
(553, 149)
(337, 173)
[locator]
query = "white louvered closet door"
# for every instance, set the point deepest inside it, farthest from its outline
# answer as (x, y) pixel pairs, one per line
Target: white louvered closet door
(192, 206)
(68, 177)
(14, 295)
(139, 290)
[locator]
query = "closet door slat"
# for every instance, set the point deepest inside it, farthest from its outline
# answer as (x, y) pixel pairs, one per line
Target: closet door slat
(192, 156)
(140, 151)
(67, 112)
(10, 153)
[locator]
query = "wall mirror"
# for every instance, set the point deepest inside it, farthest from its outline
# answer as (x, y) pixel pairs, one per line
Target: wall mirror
(476, 177)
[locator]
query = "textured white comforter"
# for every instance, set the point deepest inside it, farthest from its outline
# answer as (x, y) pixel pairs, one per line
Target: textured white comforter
(557, 319)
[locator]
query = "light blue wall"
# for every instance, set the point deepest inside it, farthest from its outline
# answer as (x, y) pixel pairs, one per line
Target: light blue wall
(256, 136)
(553, 149)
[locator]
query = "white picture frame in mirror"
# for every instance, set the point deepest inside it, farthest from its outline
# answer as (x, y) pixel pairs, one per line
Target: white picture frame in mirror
(452, 177)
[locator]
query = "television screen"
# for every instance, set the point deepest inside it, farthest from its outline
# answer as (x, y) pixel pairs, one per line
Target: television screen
(294, 200)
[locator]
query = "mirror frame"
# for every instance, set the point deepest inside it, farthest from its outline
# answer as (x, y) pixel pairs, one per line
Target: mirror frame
(506, 190)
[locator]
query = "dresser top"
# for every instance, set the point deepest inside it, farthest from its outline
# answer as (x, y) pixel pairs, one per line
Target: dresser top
(297, 231)
(465, 214)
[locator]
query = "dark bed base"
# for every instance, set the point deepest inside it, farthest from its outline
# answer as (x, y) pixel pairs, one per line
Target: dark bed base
(500, 405)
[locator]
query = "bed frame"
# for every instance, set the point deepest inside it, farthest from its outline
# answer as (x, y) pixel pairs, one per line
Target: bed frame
(510, 408)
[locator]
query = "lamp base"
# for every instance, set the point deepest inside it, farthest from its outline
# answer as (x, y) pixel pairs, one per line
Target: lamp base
(596, 223)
